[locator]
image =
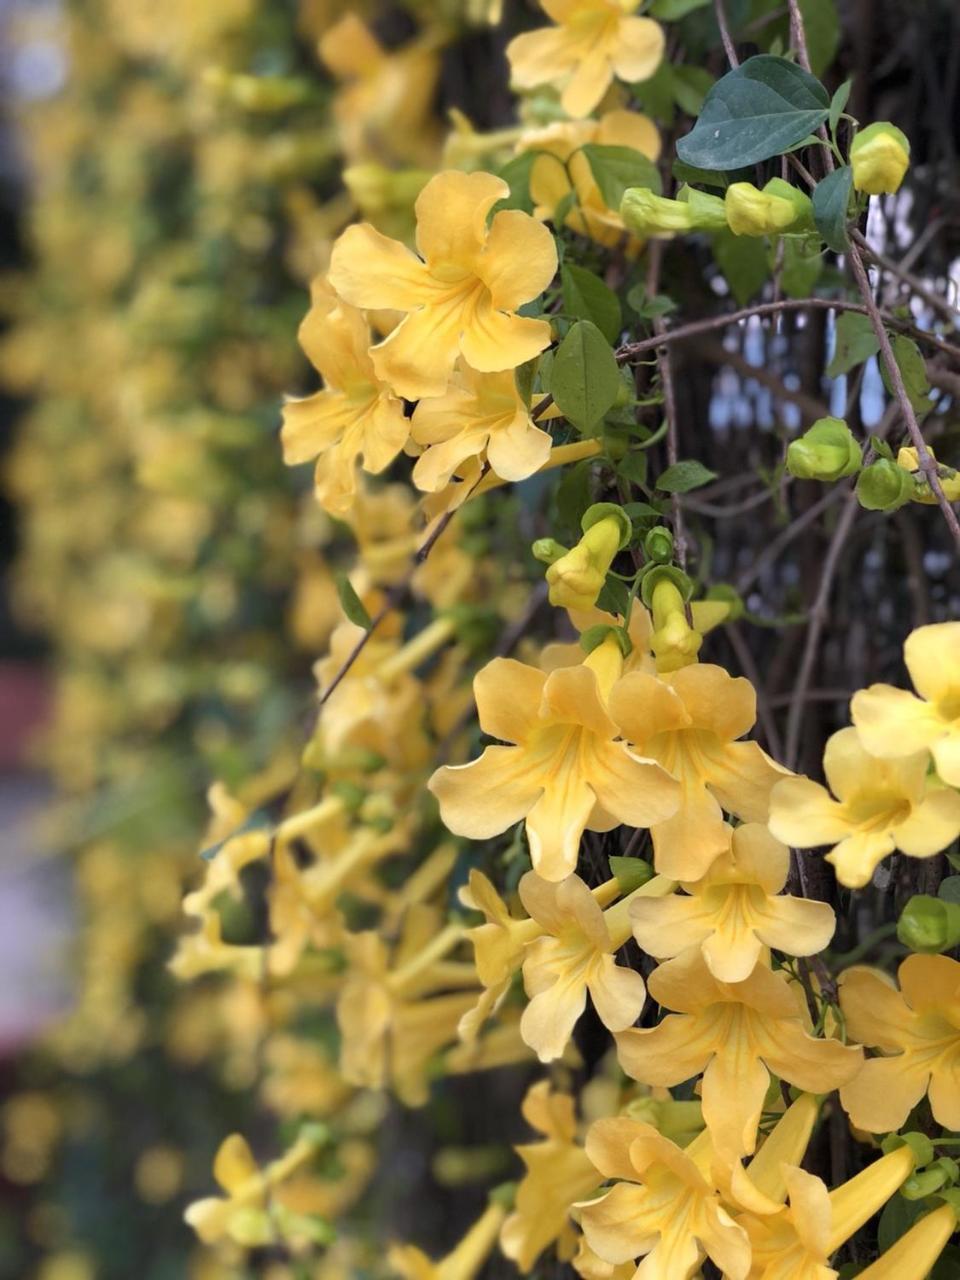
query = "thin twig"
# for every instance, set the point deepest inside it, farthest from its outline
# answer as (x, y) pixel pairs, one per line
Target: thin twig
(767, 720)
(818, 618)
(720, 10)
(785, 537)
(669, 403)
(696, 327)
(925, 462)
(916, 287)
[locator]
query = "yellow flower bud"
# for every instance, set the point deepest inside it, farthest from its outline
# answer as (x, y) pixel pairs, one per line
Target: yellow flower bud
(777, 208)
(576, 579)
(950, 484)
(880, 157)
(674, 642)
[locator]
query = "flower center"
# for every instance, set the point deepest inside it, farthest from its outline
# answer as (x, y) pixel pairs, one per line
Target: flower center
(871, 812)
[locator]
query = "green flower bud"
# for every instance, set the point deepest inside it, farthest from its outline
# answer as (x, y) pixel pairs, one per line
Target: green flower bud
(548, 550)
(879, 157)
(649, 215)
(941, 1173)
(802, 204)
(777, 208)
(827, 451)
(883, 486)
(929, 925)
(377, 190)
(658, 545)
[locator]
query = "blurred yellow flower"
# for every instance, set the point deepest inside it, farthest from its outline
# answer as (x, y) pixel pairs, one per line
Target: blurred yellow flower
(462, 1263)
(354, 417)
(461, 295)
(917, 1029)
(882, 805)
(592, 41)
(893, 723)
(558, 1172)
(564, 168)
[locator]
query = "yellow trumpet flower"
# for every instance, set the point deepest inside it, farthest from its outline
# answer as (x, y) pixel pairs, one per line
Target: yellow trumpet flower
(893, 723)
(462, 1263)
(735, 911)
(882, 805)
(689, 721)
(567, 771)
(593, 41)
(918, 1028)
(461, 295)
(736, 1034)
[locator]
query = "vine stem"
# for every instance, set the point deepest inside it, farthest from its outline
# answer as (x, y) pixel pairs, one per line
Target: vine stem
(925, 461)
(665, 369)
(631, 349)
(720, 10)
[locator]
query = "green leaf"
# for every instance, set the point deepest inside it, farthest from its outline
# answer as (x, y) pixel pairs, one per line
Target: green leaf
(743, 261)
(700, 177)
(351, 603)
(897, 1218)
(690, 86)
(585, 378)
(656, 96)
(802, 264)
(754, 112)
(633, 467)
(672, 10)
(615, 169)
(684, 476)
(830, 200)
(615, 597)
(516, 174)
(630, 873)
(949, 889)
(856, 342)
(837, 104)
(572, 500)
(912, 370)
(586, 297)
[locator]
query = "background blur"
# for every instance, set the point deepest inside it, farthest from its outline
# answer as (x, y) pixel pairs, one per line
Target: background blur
(163, 594)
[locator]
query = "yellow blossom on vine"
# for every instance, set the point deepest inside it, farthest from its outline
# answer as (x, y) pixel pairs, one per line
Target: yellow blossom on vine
(561, 169)
(567, 771)
(592, 41)
(797, 1242)
(663, 1205)
(577, 577)
(576, 955)
(354, 417)
(917, 1029)
(481, 415)
(894, 723)
(558, 1172)
(736, 1034)
(246, 1215)
(462, 1263)
(881, 805)
(914, 1254)
(460, 296)
(736, 910)
(689, 721)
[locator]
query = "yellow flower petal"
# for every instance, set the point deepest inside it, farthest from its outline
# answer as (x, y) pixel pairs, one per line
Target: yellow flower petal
(803, 814)
(508, 695)
(494, 340)
(369, 269)
(932, 655)
(234, 1164)
(639, 49)
(519, 259)
(892, 722)
(485, 797)
(452, 214)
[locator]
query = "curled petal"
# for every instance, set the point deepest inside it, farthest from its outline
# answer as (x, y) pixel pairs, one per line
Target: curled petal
(519, 259)
(617, 993)
(881, 1096)
(485, 797)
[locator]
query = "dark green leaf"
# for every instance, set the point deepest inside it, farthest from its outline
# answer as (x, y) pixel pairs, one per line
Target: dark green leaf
(754, 112)
(616, 168)
(837, 104)
(516, 174)
(897, 1218)
(585, 378)
(630, 873)
(949, 889)
(656, 95)
(684, 476)
(830, 200)
(586, 297)
(743, 261)
(615, 597)
(351, 603)
(700, 177)
(856, 342)
(912, 370)
(573, 498)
